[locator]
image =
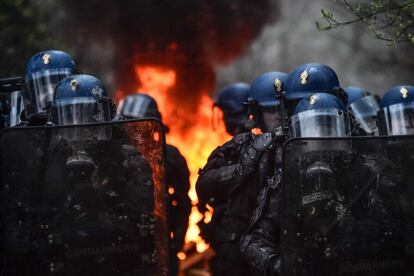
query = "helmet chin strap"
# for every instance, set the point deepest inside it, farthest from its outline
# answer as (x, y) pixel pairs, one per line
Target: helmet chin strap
(284, 117)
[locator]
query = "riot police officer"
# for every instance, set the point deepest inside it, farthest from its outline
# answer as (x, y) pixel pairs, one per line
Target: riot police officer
(215, 179)
(396, 116)
(396, 182)
(44, 70)
(265, 90)
(380, 228)
(266, 112)
(139, 106)
(329, 112)
(108, 183)
(80, 99)
(260, 246)
(71, 197)
(364, 108)
(230, 101)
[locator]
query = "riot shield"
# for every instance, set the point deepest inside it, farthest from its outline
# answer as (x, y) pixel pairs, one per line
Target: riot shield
(84, 200)
(348, 206)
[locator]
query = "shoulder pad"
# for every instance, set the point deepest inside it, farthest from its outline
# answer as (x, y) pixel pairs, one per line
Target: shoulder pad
(172, 151)
(217, 152)
(223, 155)
(263, 141)
(242, 138)
(235, 142)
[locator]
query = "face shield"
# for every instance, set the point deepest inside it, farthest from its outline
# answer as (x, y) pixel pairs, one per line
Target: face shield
(320, 123)
(137, 107)
(39, 88)
(80, 110)
(235, 123)
(398, 119)
(16, 108)
(365, 112)
(271, 115)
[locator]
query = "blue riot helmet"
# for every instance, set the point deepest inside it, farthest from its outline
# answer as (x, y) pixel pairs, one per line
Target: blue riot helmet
(138, 106)
(308, 79)
(43, 72)
(263, 91)
(364, 107)
(231, 101)
(320, 115)
(397, 111)
(80, 99)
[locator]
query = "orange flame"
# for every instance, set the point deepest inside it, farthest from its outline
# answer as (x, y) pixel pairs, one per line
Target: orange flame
(196, 145)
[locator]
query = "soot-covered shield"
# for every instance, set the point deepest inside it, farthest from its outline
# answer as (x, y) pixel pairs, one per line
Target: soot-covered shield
(348, 206)
(84, 200)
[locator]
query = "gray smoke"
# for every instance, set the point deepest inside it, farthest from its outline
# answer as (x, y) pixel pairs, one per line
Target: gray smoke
(357, 57)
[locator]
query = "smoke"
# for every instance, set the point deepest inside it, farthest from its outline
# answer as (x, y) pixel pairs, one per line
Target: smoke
(353, 52)
(191, 37)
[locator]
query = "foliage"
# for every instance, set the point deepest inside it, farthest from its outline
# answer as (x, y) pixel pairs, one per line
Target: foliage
(389, 20)
(24, 31)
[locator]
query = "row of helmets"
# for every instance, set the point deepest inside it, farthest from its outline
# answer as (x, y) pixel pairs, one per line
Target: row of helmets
(310, 97)
(55, 91)
(311, 103)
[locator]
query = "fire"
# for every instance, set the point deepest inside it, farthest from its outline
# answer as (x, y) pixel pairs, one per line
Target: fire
(196, 144)
(156, 81)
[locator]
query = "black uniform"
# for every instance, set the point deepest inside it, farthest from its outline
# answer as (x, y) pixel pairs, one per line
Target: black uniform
(255, 156)
(57, 211)
(341, 200)
(35, 120)
(179, 207)
(260, 247)
(213, 185)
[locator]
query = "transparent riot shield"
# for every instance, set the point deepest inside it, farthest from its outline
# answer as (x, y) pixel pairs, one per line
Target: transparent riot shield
(348, 206)
(84, 200)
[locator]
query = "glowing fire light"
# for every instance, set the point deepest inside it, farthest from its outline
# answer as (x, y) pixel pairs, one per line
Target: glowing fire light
(196, 146)
(181, 256)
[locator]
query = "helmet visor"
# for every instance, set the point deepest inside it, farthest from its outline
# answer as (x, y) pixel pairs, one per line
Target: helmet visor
(137, 107)
(365, 112)
(80, 110)
(235, 123)
(320, 123)
(271, 115)
(39, 88)
(398, 119)
(16, 108)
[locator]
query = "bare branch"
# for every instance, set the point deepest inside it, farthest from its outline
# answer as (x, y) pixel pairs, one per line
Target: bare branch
(388, 20)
